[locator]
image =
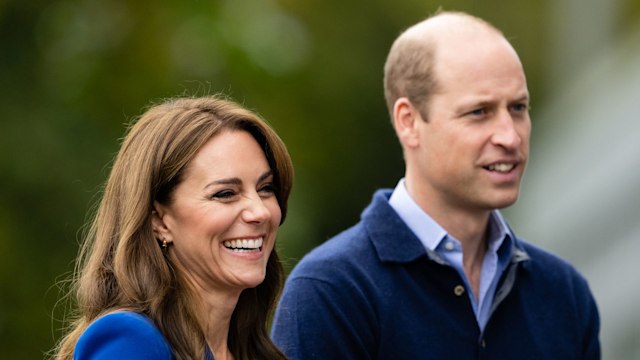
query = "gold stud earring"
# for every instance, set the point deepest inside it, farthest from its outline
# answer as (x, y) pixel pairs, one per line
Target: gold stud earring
(163, 243)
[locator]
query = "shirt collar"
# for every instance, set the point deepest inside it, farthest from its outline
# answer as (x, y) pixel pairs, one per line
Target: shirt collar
(390, 236)
(430, 233)
(387, 230)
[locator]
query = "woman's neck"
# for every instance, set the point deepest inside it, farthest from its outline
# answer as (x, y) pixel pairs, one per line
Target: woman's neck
(215, 315)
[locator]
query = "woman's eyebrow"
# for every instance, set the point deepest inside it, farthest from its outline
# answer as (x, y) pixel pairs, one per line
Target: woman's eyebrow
(227, 181)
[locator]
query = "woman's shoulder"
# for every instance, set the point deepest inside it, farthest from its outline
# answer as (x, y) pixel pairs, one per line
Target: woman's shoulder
(122, 335)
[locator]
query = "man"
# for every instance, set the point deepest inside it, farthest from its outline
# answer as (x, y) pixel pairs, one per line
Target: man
(432, 270)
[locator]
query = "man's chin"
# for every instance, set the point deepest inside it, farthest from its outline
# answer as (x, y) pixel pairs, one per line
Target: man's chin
(505, 202)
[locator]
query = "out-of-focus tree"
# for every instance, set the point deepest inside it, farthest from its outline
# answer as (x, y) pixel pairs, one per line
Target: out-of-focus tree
(73, 73)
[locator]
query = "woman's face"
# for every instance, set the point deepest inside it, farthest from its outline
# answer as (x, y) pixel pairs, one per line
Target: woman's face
(223, 217)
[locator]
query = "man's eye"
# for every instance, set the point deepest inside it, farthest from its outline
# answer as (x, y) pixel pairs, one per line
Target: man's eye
(478, 112)
(520, 107)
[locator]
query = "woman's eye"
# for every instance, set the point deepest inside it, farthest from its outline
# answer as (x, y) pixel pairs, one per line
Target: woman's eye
(224, 194)
(267, 188)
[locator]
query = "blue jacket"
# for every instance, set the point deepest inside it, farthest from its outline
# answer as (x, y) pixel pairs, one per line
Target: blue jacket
(122, 335)
(373, 292)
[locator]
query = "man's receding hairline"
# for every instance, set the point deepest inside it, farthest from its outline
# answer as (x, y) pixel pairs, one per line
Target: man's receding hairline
(412, 58)
(431, 27)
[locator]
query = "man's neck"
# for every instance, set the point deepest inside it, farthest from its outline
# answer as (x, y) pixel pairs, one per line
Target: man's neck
(471, 231)
(469, 226)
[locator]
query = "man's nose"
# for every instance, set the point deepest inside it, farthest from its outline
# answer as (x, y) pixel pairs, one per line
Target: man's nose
(506, 133)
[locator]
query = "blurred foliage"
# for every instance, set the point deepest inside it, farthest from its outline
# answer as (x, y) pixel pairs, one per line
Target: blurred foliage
(74, 72)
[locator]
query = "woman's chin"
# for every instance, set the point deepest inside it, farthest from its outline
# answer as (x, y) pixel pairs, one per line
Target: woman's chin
(249, 281)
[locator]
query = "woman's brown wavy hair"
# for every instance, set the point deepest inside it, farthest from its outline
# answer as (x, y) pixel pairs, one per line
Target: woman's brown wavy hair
(121, 266)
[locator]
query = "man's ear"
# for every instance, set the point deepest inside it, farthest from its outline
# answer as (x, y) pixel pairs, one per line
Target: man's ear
(160, 229)
(405, 122)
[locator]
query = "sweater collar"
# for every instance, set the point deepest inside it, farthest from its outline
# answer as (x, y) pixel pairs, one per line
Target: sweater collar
(395, 242)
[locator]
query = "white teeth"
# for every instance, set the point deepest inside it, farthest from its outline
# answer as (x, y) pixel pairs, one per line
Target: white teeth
(501, 167)
(243, 245)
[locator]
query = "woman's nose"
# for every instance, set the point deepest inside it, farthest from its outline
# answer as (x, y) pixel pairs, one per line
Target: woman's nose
(255, 210)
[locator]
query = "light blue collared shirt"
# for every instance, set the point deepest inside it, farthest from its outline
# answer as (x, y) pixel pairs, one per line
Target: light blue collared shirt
(436, 239)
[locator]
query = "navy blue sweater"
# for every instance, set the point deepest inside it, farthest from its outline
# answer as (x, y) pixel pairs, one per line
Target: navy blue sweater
(373, 292)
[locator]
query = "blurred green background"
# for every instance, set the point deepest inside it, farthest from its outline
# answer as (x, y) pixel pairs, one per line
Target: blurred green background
(73, 73)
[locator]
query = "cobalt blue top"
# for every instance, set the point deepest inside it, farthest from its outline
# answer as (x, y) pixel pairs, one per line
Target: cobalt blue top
(124, 335)
(375, 292)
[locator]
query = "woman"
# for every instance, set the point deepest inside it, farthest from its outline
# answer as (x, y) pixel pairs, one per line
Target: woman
(179, 261)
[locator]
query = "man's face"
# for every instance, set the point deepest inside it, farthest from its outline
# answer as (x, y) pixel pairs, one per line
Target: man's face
(474, 146)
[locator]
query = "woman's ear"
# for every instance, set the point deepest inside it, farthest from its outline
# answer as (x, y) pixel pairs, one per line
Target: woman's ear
(405, 120)
(160, 229)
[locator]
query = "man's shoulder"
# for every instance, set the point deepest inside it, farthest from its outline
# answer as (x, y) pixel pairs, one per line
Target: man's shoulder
(348, 249)
(547, 265)
(543, 257)
(363, 248)
(351, 244)
(551, 285)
